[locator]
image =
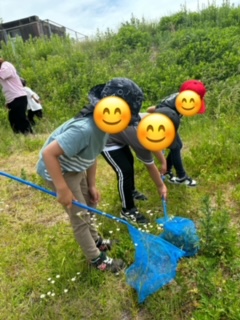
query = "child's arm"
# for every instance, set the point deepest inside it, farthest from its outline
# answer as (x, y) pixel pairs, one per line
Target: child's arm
(151, 109)
(161, 158)
(156, 178)
(35, 98)
(91, 179)
(51, 156)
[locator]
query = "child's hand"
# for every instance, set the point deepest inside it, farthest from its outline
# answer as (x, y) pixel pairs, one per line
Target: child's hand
(163, 170)
(65, 197)
(163, 192)
(151, 109)
(94, 195)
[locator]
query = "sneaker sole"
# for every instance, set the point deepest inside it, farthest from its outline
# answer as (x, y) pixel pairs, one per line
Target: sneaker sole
(123, 268)
(133, 221)
(125, 218)
(182, 183)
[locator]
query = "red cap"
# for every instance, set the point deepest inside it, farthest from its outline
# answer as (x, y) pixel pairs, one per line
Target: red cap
(198, 87)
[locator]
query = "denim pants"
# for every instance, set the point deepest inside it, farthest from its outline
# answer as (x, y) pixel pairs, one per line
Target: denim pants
(85, 232)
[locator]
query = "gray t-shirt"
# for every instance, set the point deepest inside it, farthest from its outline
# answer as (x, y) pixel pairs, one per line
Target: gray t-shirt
(81, 140)
(129, 137)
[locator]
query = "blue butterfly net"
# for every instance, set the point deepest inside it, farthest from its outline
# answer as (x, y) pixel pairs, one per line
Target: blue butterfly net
(182, 233)
(155, 264)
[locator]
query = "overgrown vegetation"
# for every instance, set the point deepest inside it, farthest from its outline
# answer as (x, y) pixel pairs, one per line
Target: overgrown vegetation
(43, 274)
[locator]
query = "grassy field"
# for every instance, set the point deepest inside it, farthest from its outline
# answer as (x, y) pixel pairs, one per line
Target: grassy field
(44, 274)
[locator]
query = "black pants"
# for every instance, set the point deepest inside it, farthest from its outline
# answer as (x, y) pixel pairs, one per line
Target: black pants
(174, 158)
(17, 116)
(122, 162)
(31, 114)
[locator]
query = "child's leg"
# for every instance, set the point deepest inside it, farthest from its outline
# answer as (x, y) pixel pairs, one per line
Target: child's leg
(176, 158)
(30, 117)
(130, 159)
(119, 161)
(86, 195)
(80, 218)
(169, 162)
(38, 113)
(17, 116)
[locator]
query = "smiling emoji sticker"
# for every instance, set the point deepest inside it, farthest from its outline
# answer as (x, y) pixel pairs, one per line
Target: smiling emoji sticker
(112, 114)
(188, 103)
(156, 132)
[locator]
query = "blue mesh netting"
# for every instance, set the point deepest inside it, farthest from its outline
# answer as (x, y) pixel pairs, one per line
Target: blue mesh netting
(155, 263)
(182, 233)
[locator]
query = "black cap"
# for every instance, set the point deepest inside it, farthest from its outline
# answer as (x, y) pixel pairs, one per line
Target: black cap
(174, 117)
(171, 114)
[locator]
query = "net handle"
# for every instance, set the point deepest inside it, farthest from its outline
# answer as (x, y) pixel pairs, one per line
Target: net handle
(164, 203)
(76, 203)
(165, 211)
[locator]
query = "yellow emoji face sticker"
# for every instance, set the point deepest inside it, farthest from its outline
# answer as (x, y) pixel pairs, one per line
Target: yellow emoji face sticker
(188, 103)
(112, 114)
(156, 132)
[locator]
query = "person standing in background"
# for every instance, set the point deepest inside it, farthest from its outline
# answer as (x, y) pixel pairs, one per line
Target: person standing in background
(34, 107)
(16, 98)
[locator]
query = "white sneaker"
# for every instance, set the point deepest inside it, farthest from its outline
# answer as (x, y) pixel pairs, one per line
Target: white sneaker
(186, 180)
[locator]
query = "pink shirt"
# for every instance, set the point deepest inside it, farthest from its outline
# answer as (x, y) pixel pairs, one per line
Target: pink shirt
(11, 84)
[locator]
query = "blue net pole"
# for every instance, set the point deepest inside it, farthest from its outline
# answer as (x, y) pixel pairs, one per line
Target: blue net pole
(52, 193)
